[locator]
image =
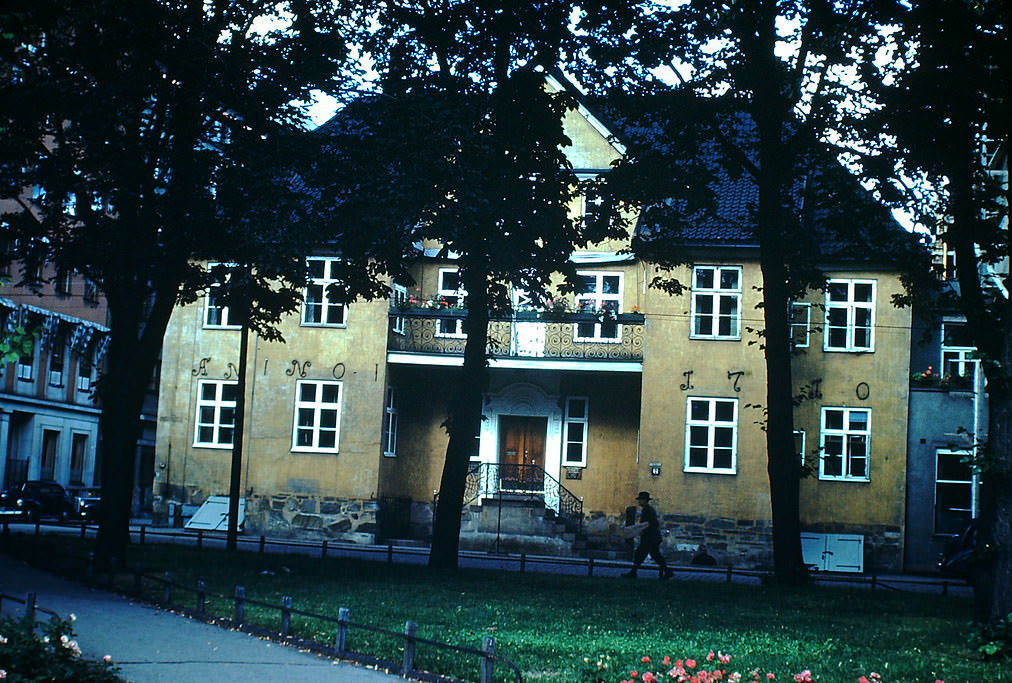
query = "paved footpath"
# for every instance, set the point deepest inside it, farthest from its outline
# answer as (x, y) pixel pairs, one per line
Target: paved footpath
(151, 645)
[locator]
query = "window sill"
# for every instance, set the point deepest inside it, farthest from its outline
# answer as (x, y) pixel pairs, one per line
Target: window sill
(328, 325)
(701, 337)
(859, 480)
(389, 455)
(833, 350)
(318, 451)
(213, 446)
(597, 340)
(222, 327)
(703, 470)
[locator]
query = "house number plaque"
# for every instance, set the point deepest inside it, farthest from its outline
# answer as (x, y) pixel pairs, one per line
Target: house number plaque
(863, 391)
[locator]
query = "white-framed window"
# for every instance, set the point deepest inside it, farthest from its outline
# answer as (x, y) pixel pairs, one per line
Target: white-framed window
(574, 431)
(799, 445)
(217, 314)
(56, 365)
(390, 412)
(601, 293)
(800, 315)
(711, 435)
(958, 351)
(451, 293)
(26, 366)
(215, 423)
(398, 298)
(953, 491)
(318, 306)
(850, 315)
(84, 371)
(317, 423)
(845, 444)
(716, 302)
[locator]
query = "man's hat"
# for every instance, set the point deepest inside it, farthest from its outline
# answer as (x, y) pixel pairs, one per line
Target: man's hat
(643, 495)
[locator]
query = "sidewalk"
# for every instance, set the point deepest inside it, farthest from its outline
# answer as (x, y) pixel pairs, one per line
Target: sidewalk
(151, 645)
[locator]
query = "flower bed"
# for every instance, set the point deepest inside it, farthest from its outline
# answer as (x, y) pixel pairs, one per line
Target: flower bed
(52, 655)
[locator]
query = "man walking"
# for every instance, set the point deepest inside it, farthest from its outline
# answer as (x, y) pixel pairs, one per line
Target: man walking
(650, 539)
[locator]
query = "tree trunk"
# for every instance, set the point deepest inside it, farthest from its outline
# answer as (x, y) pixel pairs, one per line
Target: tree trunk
(993, 590)
(463, 423)
(122, 391)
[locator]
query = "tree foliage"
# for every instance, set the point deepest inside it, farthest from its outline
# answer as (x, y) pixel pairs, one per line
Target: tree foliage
(936, 142)
(140, 137)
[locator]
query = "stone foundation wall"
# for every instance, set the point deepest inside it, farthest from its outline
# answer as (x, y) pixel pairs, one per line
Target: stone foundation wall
(312, 516)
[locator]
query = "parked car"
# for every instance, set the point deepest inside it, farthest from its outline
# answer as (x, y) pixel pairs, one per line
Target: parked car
(957, 558)
(34, 500)
(86, 502)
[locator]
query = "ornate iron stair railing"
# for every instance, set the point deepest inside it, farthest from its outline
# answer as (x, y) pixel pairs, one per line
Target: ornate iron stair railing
(532, 482)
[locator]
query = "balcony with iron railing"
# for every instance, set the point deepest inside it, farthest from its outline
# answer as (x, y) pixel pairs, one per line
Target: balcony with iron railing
(526, 335)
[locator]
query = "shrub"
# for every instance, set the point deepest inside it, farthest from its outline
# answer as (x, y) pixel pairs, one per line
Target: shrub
(52, 655)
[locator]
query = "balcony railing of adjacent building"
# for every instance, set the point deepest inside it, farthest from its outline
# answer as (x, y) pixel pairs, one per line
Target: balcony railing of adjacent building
(533, 335)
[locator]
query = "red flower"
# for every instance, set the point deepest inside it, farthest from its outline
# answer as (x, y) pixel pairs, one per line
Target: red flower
(690, 663)
(634, 673)
(645, 660)
(709, 656)
(666, 661)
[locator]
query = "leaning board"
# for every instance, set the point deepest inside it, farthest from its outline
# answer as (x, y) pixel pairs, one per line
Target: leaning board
(213, 514)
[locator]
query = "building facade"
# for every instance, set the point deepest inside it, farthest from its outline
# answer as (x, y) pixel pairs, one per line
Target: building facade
(593, 397)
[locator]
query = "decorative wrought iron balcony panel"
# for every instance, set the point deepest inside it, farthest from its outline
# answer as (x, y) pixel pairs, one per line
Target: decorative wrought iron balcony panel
(556, 336)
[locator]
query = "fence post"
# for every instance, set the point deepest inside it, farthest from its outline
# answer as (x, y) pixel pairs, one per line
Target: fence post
(341, 639)
(286, 614)
(240, 608)
(590, 567)
(137, 578)
(323, 549)
(89, 570)
(84, 529)
(945, 587)
(38, 528)
(201, 596)
(874, 581)
(7, 528)
(390, 553)
(144, 529)
(730, 570)
(410, 630)
(168, 588)
(30, 606)
(487, 663)
(523, 562)
(200, 538)
(263, 541)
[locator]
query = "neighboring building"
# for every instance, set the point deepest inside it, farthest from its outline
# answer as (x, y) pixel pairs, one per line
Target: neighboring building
(48, 417)
(627, 389)
(48, 411)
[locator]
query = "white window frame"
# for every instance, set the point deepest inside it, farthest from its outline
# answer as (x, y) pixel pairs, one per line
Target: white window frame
(26, 371)
(56, 376)
(569, 419)
(711, 424)
(850, 306)
(598, 300)
(325, 304)
(964, 354)
(845, 433)
(715, 294)
(458, 294)
(226, 323)
(398, 296)
(317, 406)
(800, 310)
(804, 442)
(391, 413)
(84, 380)
(217, 404)
(970, 483)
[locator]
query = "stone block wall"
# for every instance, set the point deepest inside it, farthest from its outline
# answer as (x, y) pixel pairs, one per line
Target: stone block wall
(307, 515)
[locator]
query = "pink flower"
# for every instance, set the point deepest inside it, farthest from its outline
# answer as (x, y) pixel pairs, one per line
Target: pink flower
(3, 674)
(710, 656)
(645, 660)
(690, 663)
(666, 661)
(863, 679)
(634, 673)
(803, 677)
(107, 658)
(771, 675)
(724, 659)
(875, 676)
(648, 677)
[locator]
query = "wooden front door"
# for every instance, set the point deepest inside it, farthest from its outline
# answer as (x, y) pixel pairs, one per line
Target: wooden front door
(522, 452)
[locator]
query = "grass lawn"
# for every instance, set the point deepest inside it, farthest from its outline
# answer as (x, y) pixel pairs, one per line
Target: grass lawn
(547, 624)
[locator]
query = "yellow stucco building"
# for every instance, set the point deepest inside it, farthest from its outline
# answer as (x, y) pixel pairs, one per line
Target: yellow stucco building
(628, 389)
